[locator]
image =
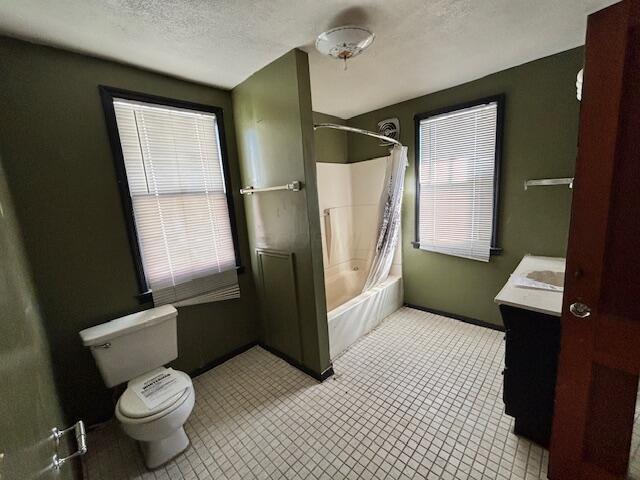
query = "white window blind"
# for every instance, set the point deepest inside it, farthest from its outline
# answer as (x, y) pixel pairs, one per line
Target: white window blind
(174, 170)
(456, 181)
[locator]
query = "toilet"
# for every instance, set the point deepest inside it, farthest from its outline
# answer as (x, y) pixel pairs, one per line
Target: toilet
(134, 349)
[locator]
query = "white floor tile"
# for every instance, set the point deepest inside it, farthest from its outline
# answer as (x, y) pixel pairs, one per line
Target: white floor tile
(420, 397)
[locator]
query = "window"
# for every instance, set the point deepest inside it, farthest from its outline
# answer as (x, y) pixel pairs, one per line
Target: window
(457, 172)
(170, 163)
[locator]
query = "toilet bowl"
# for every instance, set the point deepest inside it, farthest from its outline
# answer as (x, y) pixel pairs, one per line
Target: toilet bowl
(160, 429)
(134, 349)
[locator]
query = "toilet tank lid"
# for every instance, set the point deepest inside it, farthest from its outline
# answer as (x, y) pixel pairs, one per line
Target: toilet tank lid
(104, 332)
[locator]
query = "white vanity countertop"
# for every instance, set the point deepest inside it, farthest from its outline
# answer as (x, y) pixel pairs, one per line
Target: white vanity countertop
(542, 301)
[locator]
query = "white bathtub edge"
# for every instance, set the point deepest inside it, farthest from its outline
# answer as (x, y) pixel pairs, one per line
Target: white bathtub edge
(356, 318)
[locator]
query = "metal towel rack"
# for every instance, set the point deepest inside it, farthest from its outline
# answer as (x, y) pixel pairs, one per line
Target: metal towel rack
(545, 182)
(294, 186)
(81, 439)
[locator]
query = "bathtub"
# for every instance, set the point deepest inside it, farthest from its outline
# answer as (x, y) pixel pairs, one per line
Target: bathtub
(352, 314)
(343, 286)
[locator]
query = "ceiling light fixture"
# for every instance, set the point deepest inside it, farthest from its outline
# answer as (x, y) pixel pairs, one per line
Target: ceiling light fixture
(343, 43)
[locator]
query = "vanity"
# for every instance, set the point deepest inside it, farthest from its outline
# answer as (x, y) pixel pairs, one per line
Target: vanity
(530, 304)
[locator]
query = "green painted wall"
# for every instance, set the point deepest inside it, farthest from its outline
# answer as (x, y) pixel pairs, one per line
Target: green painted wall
(330, 145)
(540, 136)
(274, 127)
(60, 170)
(29, 405)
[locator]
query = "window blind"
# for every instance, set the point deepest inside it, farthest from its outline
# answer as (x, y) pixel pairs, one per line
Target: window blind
(174, 171)
(456, 182)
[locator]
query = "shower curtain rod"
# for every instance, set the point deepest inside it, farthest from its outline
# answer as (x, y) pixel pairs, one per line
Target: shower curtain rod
(357, 130)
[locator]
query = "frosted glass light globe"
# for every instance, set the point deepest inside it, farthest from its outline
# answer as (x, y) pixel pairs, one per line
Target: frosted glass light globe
(344, 42)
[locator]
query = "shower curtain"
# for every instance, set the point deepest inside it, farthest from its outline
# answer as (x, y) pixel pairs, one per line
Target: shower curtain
(388, 231)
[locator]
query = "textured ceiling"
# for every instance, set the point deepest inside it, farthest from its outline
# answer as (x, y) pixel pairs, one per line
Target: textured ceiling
(421, 46)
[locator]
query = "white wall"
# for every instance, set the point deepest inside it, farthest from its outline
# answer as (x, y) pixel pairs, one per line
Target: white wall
(350, 193)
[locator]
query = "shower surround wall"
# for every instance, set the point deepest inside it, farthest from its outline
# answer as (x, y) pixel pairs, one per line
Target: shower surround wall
(349, 197)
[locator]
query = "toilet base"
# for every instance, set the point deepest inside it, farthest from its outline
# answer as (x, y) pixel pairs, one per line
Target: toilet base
(159, 452)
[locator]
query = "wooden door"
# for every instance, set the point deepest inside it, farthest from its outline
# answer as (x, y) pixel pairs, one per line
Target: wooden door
(600, 348)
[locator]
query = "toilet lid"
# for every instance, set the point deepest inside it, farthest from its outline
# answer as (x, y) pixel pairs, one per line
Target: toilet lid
(130, 404)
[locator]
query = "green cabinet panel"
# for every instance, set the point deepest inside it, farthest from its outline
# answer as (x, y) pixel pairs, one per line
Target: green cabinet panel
(279, 297)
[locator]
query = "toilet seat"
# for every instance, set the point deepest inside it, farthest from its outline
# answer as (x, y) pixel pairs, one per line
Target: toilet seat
(161, 434)
(131, 407)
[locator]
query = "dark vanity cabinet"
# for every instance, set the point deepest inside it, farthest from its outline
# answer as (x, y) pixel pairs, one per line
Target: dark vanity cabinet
(531, 362)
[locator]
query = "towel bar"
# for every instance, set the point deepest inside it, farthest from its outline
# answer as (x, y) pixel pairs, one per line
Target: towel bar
(544, 182)
(81, 438)
(294, 186)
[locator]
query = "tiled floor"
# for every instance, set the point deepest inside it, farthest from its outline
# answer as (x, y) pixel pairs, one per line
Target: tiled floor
(420, 397)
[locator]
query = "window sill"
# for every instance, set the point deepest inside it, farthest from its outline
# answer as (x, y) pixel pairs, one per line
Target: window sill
(494, 251)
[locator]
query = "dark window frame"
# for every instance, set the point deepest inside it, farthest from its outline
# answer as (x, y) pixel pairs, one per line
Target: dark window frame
(500, 100)
(108, 94)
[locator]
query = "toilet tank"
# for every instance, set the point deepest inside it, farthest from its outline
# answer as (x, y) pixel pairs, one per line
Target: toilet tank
(129, 346)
